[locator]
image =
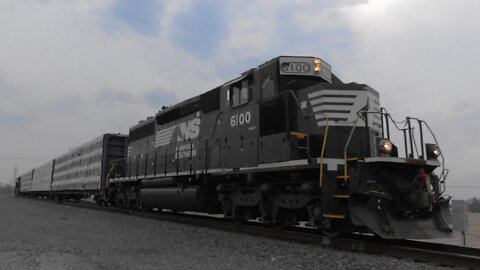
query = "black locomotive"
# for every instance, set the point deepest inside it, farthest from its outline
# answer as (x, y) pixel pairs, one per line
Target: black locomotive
(284, 143)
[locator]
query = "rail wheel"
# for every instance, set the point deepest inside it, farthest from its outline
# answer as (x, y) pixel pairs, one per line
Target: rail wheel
(286, 218)
(332, 227)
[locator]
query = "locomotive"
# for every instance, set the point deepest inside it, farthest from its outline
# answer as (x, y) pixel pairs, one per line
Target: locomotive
(285, 143)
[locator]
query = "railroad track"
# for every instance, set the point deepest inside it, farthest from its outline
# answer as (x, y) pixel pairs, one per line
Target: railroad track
(434, 253)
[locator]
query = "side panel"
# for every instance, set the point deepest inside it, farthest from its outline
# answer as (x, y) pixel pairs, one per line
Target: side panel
(274, 148)
(79, 169)
(241, 137)
(140, 147)
(177, 144)
(209, 146)
(150, 162)
(160, 161)
(42, 178)
(26, 182)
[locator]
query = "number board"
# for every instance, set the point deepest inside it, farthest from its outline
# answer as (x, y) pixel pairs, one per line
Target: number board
(296, 67)
(291, 65)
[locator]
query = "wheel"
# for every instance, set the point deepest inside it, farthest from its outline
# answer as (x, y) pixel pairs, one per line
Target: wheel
(333, 227)
(285, 219)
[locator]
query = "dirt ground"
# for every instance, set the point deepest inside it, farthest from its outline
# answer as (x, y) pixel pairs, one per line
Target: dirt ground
(43, 235)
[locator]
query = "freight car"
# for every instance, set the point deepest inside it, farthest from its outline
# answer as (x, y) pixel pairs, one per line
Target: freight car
(76, 174)
(286, 142)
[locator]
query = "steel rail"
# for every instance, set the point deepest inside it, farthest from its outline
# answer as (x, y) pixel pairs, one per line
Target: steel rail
(433, 253)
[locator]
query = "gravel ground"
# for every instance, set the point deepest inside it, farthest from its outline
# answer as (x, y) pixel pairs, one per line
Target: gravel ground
(43, 235)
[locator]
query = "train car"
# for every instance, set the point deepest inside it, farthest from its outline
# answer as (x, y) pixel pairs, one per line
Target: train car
(82, 171)
(42, 179)
(79, 173)
(285, 142)
(24, 183)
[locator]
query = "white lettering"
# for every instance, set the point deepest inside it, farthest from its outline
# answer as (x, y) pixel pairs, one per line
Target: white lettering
(185, 151)
(240, 119)
(189, 130)
(194, 127)
(184, 133)
(247, 117)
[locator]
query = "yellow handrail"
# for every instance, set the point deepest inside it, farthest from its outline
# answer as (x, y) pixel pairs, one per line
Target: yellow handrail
(325, 135)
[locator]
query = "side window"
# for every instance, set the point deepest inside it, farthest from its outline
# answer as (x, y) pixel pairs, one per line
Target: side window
(238, 94)
(244, 92)
(268, 88)
(235, 96)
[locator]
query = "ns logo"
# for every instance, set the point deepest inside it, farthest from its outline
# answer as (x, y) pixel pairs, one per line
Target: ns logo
(189, 129)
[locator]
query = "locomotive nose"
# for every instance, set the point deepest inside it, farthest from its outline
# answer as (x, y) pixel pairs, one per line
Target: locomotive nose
(382, 222)
(408, 206)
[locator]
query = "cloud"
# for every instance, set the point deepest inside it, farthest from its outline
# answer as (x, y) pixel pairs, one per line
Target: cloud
(258, 34)
(111, 96)
(201, 29)
(20, 109)
(72, 70)
(158, 97)
(141, 16)
(410, 49)
(421, 56)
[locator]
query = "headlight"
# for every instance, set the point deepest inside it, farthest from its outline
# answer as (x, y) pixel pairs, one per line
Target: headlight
(386, 146)
(316, 65)
(432, 151)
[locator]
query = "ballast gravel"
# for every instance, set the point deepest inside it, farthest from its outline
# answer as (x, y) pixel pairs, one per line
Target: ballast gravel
(43, 235)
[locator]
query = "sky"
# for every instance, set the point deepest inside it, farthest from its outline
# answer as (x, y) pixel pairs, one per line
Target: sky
(72, 70)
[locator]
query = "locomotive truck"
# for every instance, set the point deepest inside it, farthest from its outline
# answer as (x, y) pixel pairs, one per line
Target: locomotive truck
(285, 143)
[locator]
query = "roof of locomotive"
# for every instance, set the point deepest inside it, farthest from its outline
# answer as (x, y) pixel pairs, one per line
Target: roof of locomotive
(197, 103)
(197, 98)
(180, 104)
(276, 59)
(142, 123)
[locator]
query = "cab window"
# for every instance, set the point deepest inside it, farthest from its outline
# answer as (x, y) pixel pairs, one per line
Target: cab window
(238, 94)
(235, 96)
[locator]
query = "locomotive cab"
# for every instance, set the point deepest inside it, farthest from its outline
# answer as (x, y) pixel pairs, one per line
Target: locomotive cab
(306, 112)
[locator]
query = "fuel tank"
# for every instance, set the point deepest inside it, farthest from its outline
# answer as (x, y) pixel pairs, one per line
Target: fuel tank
(178, 198)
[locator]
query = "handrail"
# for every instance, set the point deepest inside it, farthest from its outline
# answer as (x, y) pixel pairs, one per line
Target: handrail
(345, 157)
(411, 137)
(325, 135)
(106, 184)
(444, 174)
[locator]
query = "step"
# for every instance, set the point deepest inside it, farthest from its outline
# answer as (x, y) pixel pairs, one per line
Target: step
(340, 196)
(299, 135)
(333, 216)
